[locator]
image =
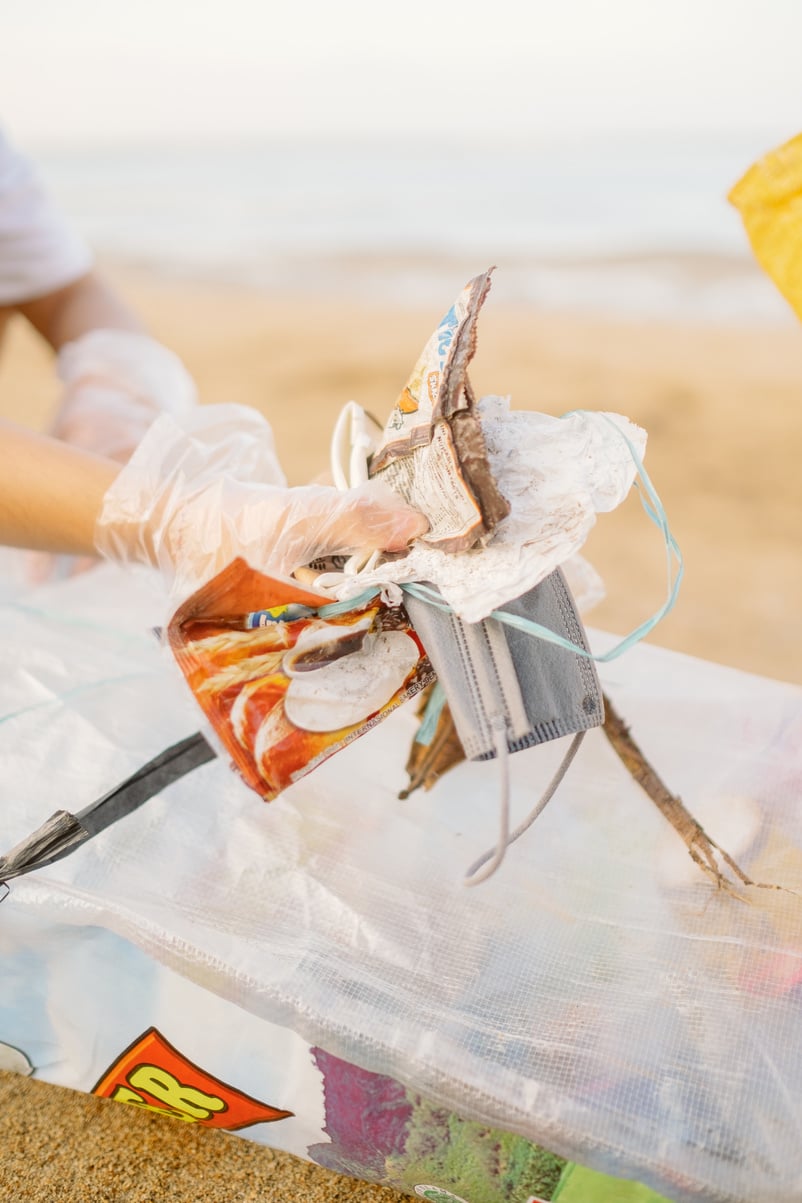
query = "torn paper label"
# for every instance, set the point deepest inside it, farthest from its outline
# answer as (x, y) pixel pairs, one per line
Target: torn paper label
(432, 451)
(429, 479)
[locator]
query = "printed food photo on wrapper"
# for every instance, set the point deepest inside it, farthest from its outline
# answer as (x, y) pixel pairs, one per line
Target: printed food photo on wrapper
(284, 683)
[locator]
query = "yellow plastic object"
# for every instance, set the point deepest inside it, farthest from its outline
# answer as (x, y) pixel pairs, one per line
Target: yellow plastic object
(769, 199)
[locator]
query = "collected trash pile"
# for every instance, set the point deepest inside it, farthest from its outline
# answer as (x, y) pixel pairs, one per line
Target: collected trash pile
(312, 970)
(287, 675)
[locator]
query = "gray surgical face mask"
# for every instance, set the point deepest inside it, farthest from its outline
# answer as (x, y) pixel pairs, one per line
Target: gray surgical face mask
(508, 690)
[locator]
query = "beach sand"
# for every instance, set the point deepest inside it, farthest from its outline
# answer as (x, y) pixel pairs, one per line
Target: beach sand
(723, 409)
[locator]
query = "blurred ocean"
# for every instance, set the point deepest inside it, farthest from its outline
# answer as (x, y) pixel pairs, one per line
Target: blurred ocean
(629, 226)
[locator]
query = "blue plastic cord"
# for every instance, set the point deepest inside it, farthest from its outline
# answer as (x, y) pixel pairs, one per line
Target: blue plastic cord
(335, 609)
(434, 708)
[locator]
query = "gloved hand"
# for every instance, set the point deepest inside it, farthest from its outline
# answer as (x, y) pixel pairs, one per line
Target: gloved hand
(195, 495)
(117, 382)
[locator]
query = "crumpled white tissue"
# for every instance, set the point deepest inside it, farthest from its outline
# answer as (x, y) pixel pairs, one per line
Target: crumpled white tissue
(557, 474)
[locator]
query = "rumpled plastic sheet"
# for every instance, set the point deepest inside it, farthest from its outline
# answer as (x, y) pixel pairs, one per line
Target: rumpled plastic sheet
(593, 996)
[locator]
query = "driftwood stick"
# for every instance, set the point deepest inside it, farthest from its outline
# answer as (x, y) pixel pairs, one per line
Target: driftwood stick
(427, 764)
(703, 850)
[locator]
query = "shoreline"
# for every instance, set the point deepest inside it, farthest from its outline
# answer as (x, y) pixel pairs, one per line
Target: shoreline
(685, 285)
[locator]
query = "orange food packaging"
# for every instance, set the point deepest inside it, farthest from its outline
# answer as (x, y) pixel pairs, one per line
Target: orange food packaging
(286, 683)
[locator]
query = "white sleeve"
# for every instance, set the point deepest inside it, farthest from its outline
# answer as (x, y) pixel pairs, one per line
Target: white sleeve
(39, 252)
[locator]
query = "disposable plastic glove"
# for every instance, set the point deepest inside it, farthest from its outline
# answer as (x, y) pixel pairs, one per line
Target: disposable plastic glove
(196, 495)
(117, 382)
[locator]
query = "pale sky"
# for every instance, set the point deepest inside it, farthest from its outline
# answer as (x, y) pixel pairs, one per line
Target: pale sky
(81, 70)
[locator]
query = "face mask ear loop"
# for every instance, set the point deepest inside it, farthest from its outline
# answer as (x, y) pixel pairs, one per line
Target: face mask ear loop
(352, 445)
(473, 877)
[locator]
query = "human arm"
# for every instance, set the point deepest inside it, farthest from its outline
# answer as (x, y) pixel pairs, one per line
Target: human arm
(88, 303)
(116, 378)
(190, 501)
(50, 493)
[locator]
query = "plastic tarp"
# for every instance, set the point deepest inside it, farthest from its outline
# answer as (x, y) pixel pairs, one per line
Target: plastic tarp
(599, 995)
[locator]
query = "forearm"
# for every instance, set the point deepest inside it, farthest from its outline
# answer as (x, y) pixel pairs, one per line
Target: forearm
(50, 493)
(87, 304)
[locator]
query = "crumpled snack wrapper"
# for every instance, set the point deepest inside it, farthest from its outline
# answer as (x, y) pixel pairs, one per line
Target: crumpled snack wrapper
(433, 451)
(769, 200)
(283, 687)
